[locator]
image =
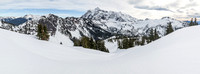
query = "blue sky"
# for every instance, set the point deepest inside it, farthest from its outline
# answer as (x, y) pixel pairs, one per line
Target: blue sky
(141, 9)
(22, 12)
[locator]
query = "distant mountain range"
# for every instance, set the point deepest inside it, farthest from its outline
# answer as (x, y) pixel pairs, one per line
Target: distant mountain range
(97, 24)
(189, 22)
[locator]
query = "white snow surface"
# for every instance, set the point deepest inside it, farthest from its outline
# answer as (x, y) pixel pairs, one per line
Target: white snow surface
(176, 53)
(111, 46)
(61, 38)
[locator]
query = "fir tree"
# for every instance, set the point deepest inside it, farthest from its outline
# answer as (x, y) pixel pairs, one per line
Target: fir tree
(101, 46)
(151, 35)
(191, 22)
(77, 42)
(39, 31)
(137, 42)
(143, 40)
(45, 35)
(42, 33)
(131, 42)
(148, 40)
(156, 36)
(169, 28)
(92, 44)
(195, 21)
(85, 42)
(125, 43)
(119, 44)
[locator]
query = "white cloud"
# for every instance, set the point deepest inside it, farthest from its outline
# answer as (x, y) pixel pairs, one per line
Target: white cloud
(137, 8)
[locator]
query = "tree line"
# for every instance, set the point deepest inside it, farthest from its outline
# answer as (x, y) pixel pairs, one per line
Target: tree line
(122, 41)
(128, 42)
(193, 23)
(87, 42)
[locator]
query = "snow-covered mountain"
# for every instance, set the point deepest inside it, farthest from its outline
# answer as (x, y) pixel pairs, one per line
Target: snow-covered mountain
(97, 24)
(7, 18)
(176, 53)
(118, 23)
(19, 20)
(102, 15)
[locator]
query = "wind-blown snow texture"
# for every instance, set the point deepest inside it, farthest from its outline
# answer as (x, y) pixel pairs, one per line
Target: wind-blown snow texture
(176, 53)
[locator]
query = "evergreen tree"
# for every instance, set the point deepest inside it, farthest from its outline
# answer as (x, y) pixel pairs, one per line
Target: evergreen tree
(137, 42)
(42, 33)
(191, 22)
(151, 35)
(131, 42)
(85, 42)
(101, 46)
(77, 42)
(169, 28)
(45, 33)
(39, 31)
(156, 36)
(143, 40)
(125, 43)
(148, 40)
(195, 21)
(26, 30)
(119, 44)
(92, 44)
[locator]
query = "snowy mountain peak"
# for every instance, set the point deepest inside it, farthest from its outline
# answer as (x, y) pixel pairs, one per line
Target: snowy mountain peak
(97, 8)
(52, 16)
(28, 16)
(103, 15)
(32, 17)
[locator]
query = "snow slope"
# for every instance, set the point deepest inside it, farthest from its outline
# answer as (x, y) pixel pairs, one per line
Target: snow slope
(176, 53)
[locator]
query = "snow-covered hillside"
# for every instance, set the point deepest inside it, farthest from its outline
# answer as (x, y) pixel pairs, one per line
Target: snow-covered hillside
(176, 53)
